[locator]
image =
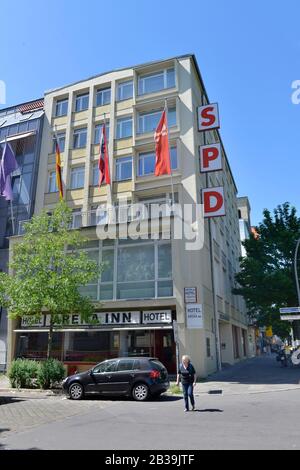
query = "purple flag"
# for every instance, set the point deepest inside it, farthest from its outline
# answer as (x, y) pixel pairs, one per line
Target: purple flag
(8, 166)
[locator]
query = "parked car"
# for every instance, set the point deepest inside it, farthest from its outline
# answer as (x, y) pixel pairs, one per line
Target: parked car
(138, 377)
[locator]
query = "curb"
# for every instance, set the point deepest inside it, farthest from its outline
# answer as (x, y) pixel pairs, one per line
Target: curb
(32, 390)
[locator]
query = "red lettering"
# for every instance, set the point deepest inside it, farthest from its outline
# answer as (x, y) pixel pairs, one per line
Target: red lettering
(206, 114)
(209, 154)
(209, 196)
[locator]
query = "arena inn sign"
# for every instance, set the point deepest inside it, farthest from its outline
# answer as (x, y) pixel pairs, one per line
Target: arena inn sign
(211, 160)
(99, 319)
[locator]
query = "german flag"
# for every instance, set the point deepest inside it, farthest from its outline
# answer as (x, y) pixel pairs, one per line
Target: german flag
(58, 169)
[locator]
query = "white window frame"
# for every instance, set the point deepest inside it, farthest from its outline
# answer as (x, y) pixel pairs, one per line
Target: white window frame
(75, 173)
(75, 214)
(60, 136)
(120, 90)
(101, 92)
(144, 154)
(79, 100)
(143, 78)
(52, 187)
(99, 125)
(59, 105)
(79, 132)
(141, 117)
(119, 162)
(119, 125)
(94, 169)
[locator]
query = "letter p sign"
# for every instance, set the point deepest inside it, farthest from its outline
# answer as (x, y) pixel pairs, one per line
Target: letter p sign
(208, 117)
(213, 201)
(210, 158)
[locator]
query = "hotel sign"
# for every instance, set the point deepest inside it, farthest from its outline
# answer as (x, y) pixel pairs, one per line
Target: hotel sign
(194, 316)
(157, 317)
(190, 295)
(99, 319)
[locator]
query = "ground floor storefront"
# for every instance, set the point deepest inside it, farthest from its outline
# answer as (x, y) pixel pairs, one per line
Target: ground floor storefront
(118, 334)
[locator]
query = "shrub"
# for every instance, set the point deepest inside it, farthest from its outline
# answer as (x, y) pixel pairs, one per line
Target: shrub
(23, 373)
(50, 372)
(175, 389)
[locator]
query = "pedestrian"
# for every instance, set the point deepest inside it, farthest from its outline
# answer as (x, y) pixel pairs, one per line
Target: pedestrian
(187, 374)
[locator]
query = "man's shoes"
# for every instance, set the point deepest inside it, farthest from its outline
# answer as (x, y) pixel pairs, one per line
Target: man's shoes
(186, 409)
(193, 409)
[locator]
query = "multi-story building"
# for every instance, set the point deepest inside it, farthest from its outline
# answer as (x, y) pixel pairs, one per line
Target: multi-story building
(21, 126)
(143, 285)
(244, 211)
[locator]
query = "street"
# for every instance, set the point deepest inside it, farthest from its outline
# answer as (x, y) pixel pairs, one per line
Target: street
(259, 409)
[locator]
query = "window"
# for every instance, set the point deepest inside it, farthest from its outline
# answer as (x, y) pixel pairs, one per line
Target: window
(133, 269)
(107, 366)
(125, 90)
(76, 219)
(126, 364)
(61, 108)
(146, 164)
(52, 185)
(82, 102)
(148, 122)
(80, 137)
(61, 138)
(208, 354)
(103, 96)
(98, 130)
(156, 81)
(95, 174)
(77, 177)
(124, 128)
(123, 168)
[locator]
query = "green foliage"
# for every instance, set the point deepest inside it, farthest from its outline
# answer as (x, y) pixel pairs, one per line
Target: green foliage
(49, 373)
(49, 266)
(266, 279)
(175, 389)
(23, 373)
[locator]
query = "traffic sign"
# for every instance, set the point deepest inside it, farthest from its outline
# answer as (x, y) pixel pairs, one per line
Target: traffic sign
(290, 317)
(290, 310)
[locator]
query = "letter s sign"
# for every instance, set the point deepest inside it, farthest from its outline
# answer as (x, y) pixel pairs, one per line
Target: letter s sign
(208, 117)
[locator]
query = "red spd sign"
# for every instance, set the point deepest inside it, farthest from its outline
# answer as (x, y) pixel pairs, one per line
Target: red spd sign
(210, 158)
(208, 117)
(213, 201)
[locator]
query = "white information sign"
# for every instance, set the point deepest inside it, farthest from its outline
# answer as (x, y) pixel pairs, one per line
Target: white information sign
(194, 316)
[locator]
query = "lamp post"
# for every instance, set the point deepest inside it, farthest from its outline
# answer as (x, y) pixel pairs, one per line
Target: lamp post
(296, 271)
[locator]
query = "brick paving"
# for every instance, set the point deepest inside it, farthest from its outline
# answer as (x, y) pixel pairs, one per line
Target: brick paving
(20, 411)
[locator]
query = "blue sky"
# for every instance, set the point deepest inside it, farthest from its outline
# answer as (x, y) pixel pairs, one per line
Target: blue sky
(248, 53)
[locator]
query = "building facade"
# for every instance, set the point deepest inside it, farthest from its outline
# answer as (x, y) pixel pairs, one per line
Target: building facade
(21, 126)
(142, 289)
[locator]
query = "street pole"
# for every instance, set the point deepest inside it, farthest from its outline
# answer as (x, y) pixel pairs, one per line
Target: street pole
(296, 271)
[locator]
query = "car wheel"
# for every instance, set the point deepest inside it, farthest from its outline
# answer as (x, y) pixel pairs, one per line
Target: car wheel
(140, 392)
(76, 391)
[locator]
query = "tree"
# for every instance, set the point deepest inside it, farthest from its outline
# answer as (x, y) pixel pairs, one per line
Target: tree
(266, 279)
(47, 269)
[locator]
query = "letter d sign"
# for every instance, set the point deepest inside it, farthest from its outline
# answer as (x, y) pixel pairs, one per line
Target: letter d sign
(213, 201)
(208, 117)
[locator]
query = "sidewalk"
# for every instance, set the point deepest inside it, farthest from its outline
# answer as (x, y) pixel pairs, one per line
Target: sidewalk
(6, 388)
(256, 375)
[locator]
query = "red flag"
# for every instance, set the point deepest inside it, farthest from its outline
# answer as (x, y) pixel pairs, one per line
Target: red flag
(163, 160)
(103, 164)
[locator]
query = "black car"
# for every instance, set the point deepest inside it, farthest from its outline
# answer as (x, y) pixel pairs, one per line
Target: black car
(138, 377)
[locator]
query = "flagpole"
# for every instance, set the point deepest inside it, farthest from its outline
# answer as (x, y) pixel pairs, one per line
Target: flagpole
(172, 185)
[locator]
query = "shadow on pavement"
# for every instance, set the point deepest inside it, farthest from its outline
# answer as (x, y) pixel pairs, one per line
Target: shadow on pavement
(209, 410)
(162, 398)
(261, 370)
(8, 400)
